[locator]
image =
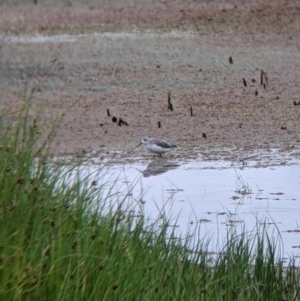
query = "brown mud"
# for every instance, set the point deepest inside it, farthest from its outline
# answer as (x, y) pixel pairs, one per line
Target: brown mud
(126, 56)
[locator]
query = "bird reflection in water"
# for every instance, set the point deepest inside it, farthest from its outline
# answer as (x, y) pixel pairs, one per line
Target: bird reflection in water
(158, 167)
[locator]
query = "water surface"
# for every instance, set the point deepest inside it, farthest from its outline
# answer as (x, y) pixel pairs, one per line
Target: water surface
(215, 195)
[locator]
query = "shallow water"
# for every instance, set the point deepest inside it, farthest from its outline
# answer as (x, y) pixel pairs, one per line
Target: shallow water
(213, 195)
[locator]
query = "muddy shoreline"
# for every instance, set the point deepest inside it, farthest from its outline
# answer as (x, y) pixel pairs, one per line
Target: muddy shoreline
(130, 71)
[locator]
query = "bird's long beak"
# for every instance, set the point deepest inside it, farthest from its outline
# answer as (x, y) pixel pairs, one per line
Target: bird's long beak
(139, 144)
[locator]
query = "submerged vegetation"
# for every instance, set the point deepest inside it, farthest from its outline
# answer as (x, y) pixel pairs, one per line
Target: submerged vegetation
(54, 247)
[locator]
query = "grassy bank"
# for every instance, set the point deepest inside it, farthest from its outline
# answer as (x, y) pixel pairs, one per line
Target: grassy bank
(53, 247)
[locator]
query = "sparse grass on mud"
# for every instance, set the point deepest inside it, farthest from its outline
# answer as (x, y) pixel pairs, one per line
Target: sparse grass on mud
(54, 247)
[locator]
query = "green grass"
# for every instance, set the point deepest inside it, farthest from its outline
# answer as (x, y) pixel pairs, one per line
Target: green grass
(54, 247)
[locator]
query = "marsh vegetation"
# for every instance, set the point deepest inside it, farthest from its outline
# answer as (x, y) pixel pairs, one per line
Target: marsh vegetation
(54, 247)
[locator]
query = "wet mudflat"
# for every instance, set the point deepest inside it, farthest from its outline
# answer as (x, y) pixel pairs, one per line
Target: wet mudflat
(128, 76)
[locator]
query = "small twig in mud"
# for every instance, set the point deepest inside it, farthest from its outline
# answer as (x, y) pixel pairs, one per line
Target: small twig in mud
(256, 93)
(243, 162)
(297, 103)
(124, 122)
(159, 124)
(170, 106)
(121, 122)
(191, 110)
(244, 82)
(115, 119)
(230, 60)
(263, 78)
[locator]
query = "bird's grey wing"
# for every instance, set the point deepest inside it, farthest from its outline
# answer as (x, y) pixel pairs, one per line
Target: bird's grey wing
(164, 144)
